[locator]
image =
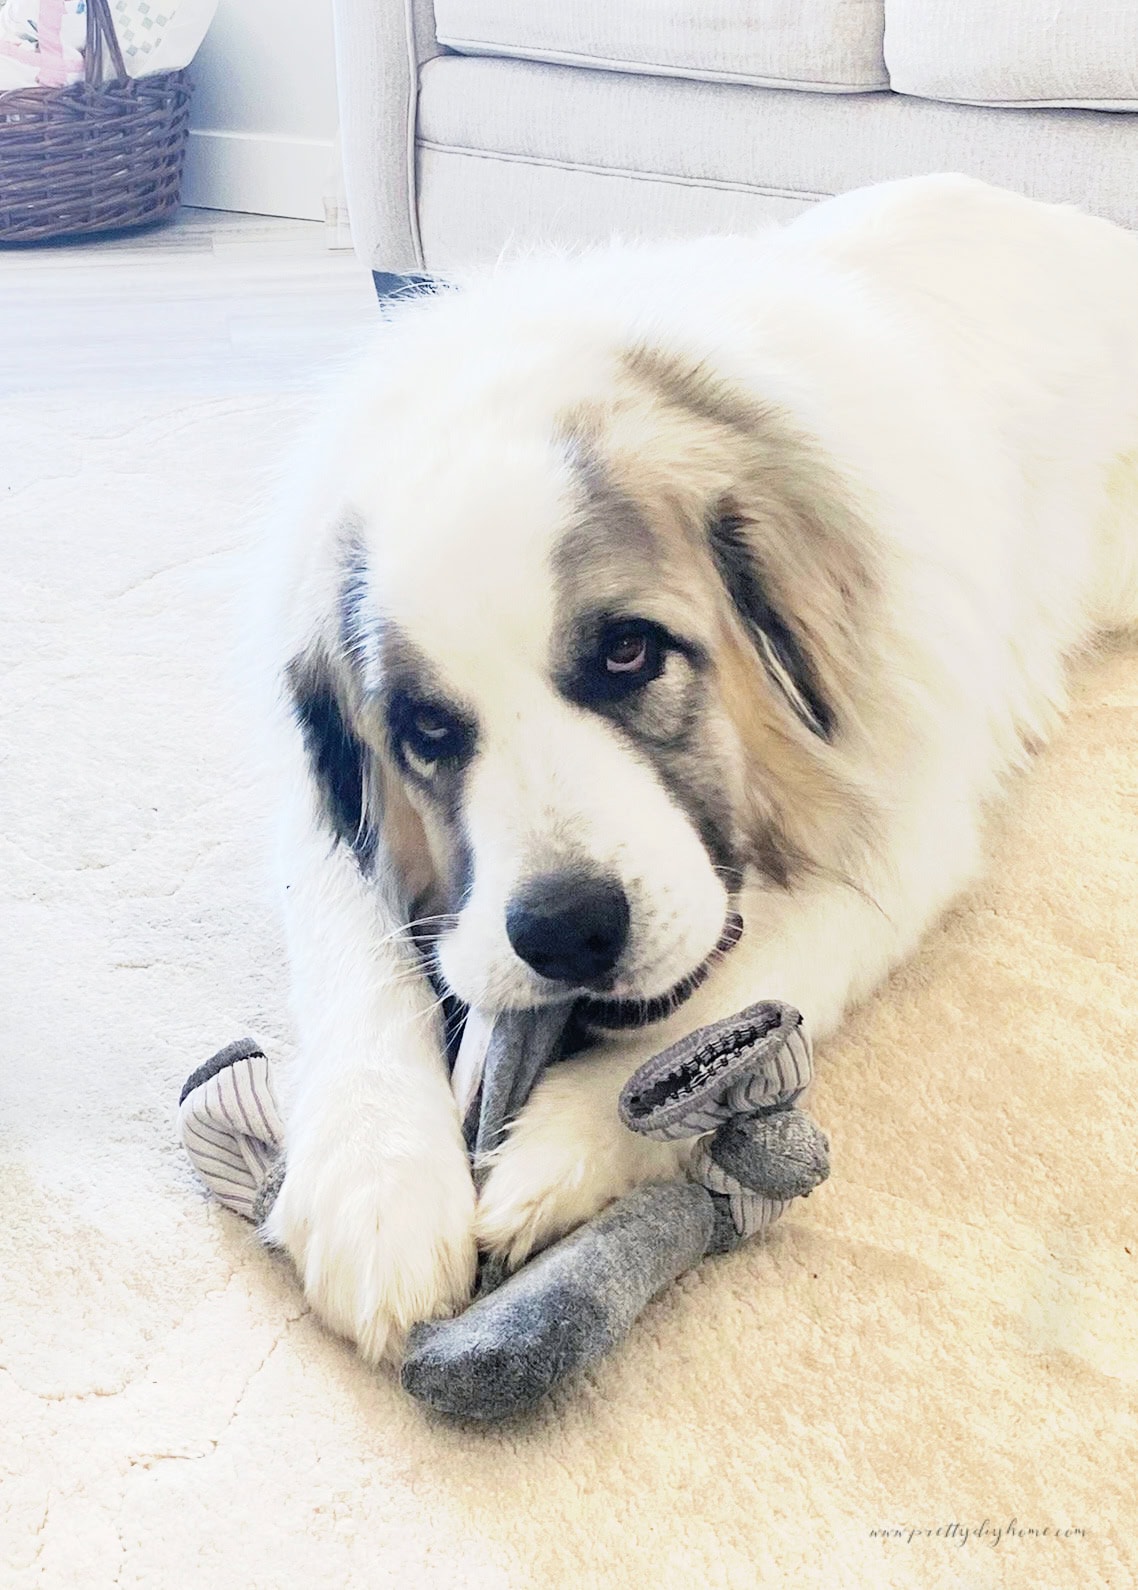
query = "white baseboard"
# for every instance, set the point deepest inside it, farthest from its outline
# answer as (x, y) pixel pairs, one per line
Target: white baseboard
(259, 172)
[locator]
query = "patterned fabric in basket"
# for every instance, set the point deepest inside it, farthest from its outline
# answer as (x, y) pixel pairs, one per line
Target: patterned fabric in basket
(95, 156)
(160, 35)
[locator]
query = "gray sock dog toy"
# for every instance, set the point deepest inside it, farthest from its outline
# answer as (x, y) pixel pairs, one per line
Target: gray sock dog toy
(735, 1084)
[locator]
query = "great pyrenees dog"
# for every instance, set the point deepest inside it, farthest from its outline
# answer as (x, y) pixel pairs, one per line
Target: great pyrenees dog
(638, 595)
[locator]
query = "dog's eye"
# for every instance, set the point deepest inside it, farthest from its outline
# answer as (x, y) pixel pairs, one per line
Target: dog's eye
(630, 654)
(427, 734)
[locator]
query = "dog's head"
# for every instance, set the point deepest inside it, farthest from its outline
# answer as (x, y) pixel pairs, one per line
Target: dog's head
(593, 661)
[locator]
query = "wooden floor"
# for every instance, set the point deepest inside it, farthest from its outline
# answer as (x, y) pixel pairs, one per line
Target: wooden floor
(212, 301)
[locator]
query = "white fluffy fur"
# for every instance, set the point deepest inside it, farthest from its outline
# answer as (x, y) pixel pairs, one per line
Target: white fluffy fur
(968, 361)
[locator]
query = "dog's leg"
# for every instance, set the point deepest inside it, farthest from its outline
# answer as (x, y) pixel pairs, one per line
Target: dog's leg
(569, 1153)
(377, 1204)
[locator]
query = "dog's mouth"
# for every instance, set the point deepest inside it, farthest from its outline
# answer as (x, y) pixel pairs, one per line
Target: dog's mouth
(618, 1013)
(593, 1011)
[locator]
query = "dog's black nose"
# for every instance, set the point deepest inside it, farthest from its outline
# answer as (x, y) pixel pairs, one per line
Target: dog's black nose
(569, 926)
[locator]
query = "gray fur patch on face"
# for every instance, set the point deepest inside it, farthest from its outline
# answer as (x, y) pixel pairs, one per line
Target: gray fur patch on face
(794, 553)
(391, 684)
(692, 388)
(760, 544)
(430, 738)
(611, 568)
(610, 520)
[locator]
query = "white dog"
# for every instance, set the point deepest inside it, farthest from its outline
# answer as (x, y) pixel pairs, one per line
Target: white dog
(636, 590)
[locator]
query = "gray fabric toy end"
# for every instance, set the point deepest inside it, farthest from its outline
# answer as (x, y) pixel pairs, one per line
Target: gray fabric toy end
(782, 1155)
(521, 1045)
(563, 1310)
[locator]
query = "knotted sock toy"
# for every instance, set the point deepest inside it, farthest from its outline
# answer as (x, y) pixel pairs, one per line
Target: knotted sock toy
(734, 1084)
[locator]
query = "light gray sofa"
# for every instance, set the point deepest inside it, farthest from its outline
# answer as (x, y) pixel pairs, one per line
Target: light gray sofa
(472, 125)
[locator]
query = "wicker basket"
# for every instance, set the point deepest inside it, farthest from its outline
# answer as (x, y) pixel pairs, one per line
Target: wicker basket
(96, 156)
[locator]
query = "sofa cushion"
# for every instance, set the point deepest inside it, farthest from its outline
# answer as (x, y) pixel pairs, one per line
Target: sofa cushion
(515, 153)
(1083, 53)
(829, 45)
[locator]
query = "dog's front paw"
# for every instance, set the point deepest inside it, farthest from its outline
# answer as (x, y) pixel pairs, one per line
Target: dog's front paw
(567, 1156)
(381, 1238)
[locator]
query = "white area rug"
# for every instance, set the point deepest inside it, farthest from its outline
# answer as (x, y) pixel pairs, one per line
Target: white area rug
(945, 1335)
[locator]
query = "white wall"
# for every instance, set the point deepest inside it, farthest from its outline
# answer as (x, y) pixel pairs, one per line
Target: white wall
(263, 120)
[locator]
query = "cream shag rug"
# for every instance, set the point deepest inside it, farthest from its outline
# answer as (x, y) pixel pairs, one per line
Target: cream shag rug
(943, 1339)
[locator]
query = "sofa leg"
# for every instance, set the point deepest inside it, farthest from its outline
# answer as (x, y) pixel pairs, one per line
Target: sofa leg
(389, 286)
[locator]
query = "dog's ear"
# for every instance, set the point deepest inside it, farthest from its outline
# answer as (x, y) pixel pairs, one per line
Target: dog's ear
(783, 655)
(338, 760)
(362, 801)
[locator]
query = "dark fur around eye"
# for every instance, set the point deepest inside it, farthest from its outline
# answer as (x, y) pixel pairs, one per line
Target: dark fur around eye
(783, 658)
(593, 683)
(430, 730)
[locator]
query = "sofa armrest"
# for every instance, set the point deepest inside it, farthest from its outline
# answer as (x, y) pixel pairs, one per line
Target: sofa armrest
(380, 47)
